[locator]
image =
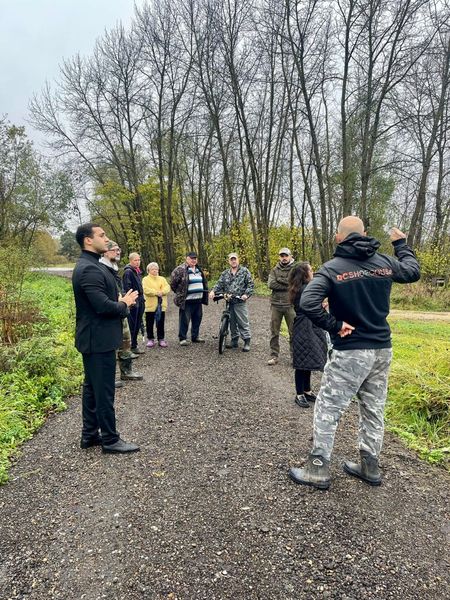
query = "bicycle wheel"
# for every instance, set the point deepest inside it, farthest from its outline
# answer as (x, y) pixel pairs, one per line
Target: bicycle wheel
(223, 332)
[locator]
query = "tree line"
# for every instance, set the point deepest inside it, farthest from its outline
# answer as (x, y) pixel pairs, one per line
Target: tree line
(208, 120)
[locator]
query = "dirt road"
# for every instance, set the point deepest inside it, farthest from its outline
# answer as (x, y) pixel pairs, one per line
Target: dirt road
(206, 511)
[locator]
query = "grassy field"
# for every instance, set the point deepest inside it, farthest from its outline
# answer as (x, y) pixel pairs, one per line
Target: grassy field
(39, 372)
(418, 408)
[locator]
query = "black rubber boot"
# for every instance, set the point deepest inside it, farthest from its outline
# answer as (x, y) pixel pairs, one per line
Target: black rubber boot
(234, 343)
(368, 470)
(316, 472)
(246, 347)
(126, 373)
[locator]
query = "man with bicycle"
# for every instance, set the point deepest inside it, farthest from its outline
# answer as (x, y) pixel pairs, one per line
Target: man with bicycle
(238, 283)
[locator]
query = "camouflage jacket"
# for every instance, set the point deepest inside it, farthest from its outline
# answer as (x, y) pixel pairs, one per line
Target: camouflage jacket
(238, 285)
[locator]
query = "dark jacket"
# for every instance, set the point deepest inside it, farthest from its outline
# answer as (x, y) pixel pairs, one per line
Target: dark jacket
(278, 283)
(132, 280)
(179, 282)
(357, 282)
(98, 313)
(309, 344)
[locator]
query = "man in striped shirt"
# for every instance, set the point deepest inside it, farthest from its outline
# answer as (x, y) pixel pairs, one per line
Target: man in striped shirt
(191, 291)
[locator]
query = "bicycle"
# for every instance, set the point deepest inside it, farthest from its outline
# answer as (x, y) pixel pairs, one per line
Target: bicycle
(224, 328)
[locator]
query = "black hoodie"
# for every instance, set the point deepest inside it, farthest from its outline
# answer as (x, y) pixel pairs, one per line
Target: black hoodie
(357, 282)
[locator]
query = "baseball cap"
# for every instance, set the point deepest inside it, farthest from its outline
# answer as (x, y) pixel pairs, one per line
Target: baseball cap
(285, 251)
(232, 255)
(192, 254)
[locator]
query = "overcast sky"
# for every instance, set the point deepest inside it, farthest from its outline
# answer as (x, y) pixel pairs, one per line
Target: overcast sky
(35, 35)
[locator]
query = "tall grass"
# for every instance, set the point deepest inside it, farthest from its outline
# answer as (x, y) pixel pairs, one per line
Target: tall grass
(422, 296)
(418, 407)
(37, 373)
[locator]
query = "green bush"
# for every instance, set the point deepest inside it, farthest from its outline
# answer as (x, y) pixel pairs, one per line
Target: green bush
(39, 372)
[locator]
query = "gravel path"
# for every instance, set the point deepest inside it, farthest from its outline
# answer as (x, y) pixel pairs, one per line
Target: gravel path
(206, 510)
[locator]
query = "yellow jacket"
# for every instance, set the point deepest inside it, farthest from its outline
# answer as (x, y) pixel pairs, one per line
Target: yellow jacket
(152, 285)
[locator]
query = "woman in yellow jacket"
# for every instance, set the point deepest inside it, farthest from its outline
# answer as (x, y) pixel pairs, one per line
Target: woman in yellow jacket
(156, 289)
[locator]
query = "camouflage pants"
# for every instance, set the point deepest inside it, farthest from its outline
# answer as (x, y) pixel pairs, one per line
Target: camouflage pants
(124, 350)
(349, 372)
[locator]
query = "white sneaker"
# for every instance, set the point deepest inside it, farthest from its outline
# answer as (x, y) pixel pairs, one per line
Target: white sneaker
(273, 360)
(184, 342)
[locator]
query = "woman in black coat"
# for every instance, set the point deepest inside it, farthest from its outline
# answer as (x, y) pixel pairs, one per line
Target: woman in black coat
(309, 345)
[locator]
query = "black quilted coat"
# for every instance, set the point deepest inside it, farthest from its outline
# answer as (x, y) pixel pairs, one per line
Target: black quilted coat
(309, 344)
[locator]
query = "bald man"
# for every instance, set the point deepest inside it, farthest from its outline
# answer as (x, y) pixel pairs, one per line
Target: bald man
(357, 283)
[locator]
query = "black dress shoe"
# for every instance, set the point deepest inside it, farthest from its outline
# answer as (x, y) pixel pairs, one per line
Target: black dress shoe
(310, 397)
(120, 447)
(89, 442)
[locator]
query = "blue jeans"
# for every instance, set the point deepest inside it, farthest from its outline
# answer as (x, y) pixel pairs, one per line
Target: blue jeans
(193, 313)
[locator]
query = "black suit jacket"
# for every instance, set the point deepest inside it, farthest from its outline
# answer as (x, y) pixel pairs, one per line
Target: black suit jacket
(98, 313)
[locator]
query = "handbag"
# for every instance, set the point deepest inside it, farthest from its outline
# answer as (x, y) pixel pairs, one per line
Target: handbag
(158, 311)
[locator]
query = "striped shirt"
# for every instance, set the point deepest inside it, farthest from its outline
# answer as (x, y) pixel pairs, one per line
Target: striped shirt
(195, 287)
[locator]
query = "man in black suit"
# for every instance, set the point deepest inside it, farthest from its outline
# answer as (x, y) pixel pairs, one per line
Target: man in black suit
(99, 313)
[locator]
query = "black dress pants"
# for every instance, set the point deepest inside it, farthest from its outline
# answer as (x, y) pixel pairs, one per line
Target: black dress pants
(302, 381)
(135, 320)
(98, 396)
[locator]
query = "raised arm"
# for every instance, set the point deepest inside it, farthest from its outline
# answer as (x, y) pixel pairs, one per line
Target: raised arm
(406, 268)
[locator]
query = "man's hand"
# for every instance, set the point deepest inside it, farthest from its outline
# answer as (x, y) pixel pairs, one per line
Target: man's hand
(212, 293)
(129, 298)
(395, 234)
(346, 329)
(244, 297)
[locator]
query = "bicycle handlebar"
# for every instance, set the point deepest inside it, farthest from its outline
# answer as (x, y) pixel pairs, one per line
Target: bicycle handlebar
(226, 297)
